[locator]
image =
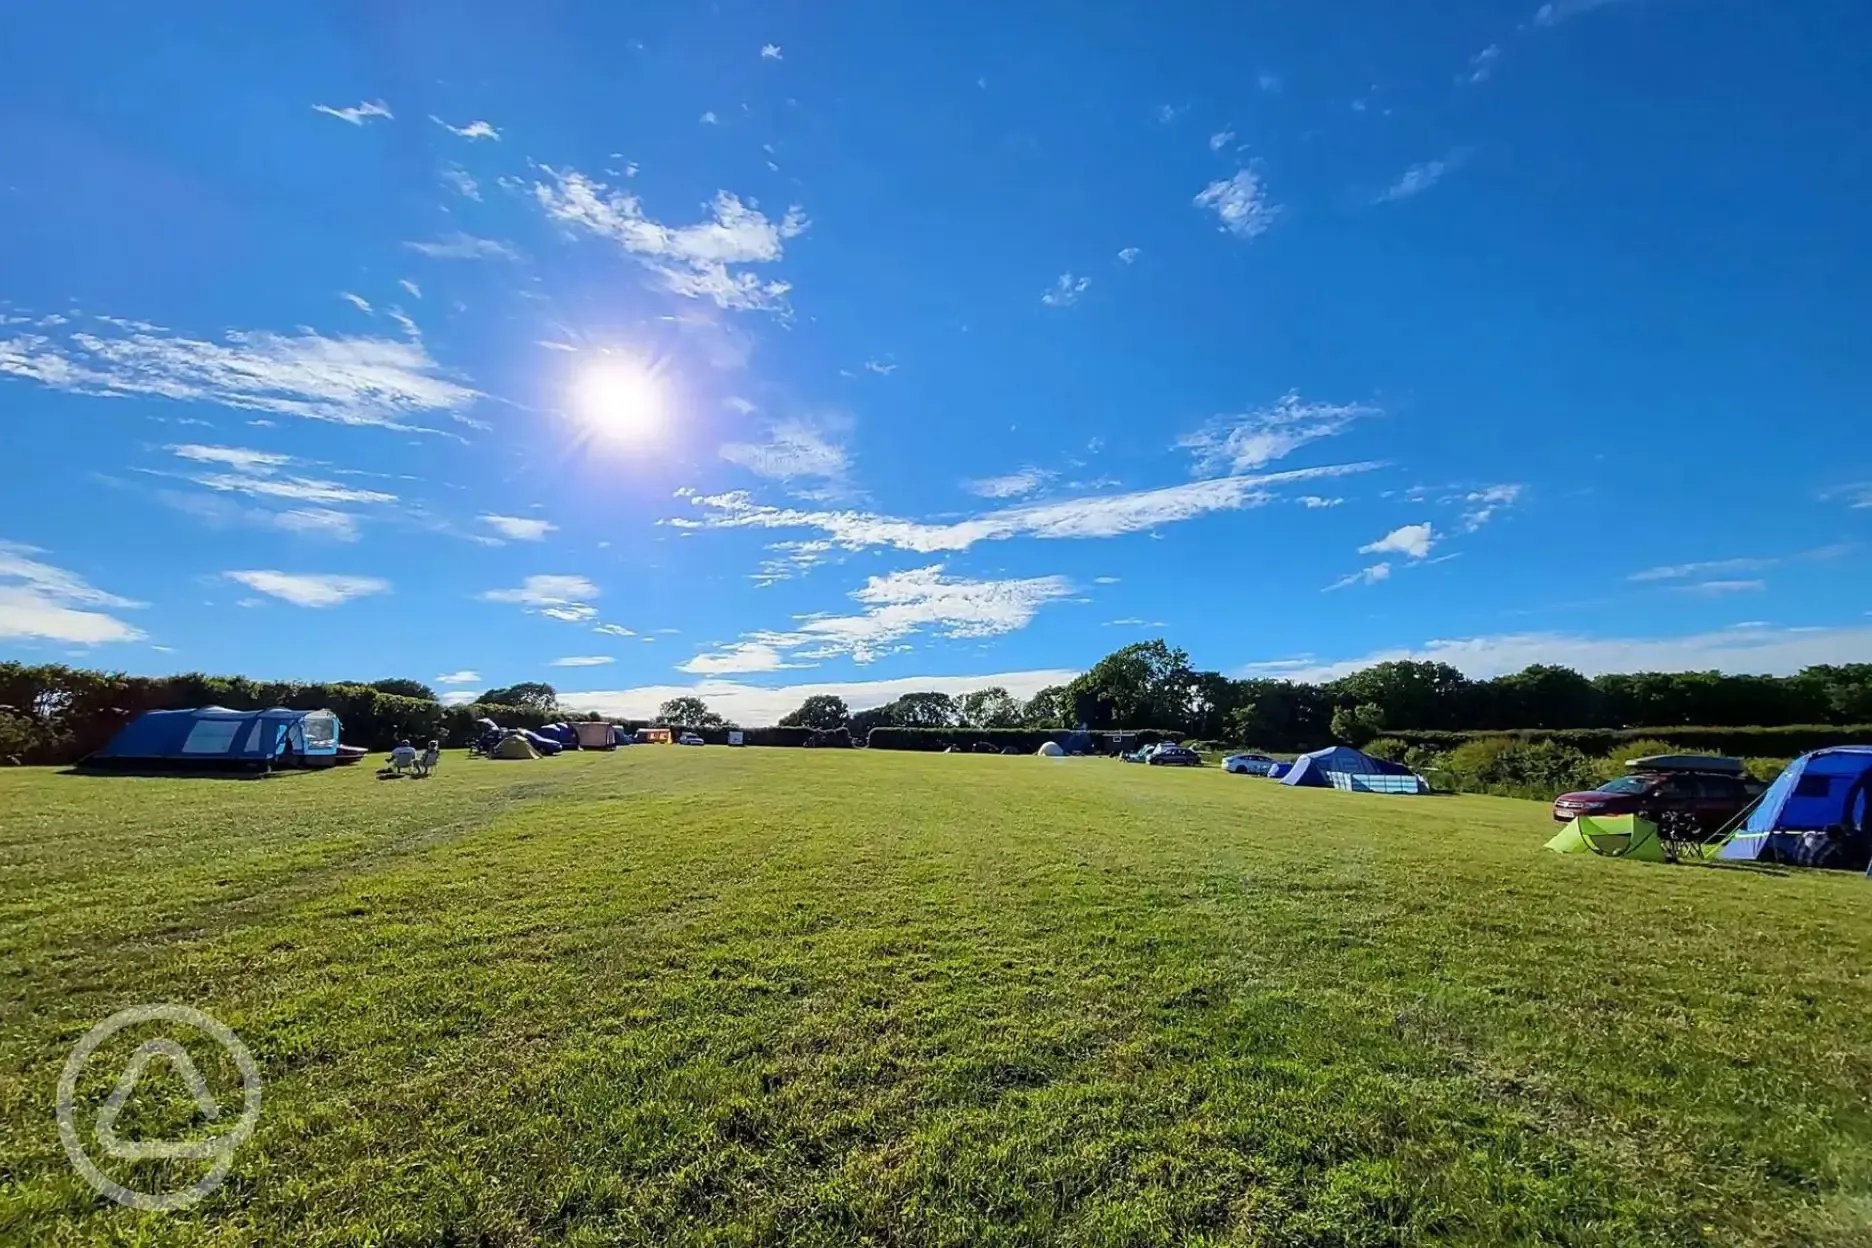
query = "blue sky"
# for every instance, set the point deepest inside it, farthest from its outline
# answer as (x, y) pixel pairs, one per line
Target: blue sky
(775, 347)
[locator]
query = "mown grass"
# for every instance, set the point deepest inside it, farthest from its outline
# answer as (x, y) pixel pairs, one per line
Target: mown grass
(805, 997)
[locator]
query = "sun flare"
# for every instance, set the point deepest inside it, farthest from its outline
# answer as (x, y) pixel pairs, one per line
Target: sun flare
(620, 398)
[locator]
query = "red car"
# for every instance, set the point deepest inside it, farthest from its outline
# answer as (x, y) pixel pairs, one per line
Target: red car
(1713, 798)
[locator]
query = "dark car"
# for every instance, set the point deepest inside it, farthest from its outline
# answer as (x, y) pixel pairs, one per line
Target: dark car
(1167, 755)
(1712, 798)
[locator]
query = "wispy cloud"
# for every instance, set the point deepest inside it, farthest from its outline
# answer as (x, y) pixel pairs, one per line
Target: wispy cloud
(1268, 82)
(1419, 178)
(583, 660)
(1412, 540)
(614, 630)
(1106, 515)
(40, 602)
(558, 597)
(770, 52)
(459, 246)
(1563, 10)
(1368, 576)
(1247, 440)
(898, 606)
(357, 301)
(312, 589)
(1017, 484)
(1221, 139)
(473, 130)
(696, 261)
(463, 677)
(1242, 204)
(236, 457)
(1716, 589)
(464, 185)
(347, 380)
(1685, 571)
(794, 450)
(789, 560)
(1313, 502)
(415, 291)
(1481, 506)
(1129, 255)
(519, 528)
(882, 368)
(1066, 291)
(1482, 64)
(1857, 496)
(357, 114)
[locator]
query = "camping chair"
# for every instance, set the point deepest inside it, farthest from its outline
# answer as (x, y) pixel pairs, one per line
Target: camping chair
(427, 763)
(1680, 835)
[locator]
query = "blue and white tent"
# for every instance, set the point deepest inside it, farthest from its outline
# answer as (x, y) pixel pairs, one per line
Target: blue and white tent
(1342, 767)
(214, 736)
(1823, 791)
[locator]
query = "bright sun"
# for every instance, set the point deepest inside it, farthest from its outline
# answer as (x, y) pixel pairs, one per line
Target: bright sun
(620, 399)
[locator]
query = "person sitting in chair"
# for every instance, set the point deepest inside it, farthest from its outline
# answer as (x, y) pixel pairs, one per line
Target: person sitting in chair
(403, 758)
(430, 757)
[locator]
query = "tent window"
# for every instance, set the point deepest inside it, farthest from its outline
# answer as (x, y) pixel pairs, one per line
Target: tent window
(1813, 786)
(320, 730)
(253, 737)
(212, 736)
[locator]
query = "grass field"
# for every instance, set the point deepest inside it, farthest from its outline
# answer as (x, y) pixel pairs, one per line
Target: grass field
(819, 997)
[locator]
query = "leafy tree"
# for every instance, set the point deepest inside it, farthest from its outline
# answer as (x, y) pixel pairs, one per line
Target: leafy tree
(1412, 695)
(993, 707)
(1048, 708)
(1142, 685)
(823, 711)
(406, 689)
(924, 710)
(689, 711)
(1358, 725)
(531, 695)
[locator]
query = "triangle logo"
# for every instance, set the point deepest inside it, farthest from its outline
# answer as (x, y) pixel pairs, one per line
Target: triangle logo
(142, 1150)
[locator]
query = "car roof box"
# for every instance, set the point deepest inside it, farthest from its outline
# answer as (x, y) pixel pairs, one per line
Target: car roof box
(1687, 762)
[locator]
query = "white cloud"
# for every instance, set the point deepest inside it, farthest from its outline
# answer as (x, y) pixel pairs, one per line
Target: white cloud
(1270, 83)
(1561, 10)
(236, 457)
(790, 560)
(310, 589)
(770, 51)
(1221, 139)
(339, 526)
(1420, 178)
(898, 606)
(357, 301)
(795, 449)
(347, 380)
(415, 291)
(754, 705)
(1483, 504)
(1367, 576)
(1313, 502)
(613, 630)
(357, 114)
(1767, 651)
(1414, 540)
(298, 489)
(1104, 580)
(464, 185)
(1242, 204)
(1685, 571)
(519, 528)
(1714, 589)
(709, 119)
(1482, 64)
(464, 677)
(1066, 291)
(695, 261)
(1857, 496)
(880, 367)
(1250, 439)
(473, 130)
(46, 603)
(583, 660)
(1129, 255)
(556, 597)
(1013, 485)
(1107, 515)
(460, 246)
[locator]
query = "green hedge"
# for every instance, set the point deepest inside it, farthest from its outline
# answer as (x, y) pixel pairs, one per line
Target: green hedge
(1781, 742)
(1026, 740)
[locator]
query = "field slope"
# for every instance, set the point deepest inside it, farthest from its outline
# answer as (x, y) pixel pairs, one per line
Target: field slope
(817, 997)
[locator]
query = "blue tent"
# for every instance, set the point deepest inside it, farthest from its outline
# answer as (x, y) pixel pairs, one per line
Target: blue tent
(1825, 790)
(1309, 770)
(214, 736)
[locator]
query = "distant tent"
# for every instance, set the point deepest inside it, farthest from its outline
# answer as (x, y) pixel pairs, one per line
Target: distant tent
(1818, 812)
(1611, 836)
(1279, 771)
(1316, 770)
(595, 735)
(216, 737)
(515, 746)
(564, 735)
(1051, 749)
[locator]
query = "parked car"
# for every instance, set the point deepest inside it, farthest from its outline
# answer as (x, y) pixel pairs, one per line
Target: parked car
(1248, 764)
(1168, 755)
(689, 738)
(1139, 756)
(1710, 791)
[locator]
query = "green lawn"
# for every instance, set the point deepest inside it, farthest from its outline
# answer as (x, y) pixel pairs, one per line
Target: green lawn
(815, 997)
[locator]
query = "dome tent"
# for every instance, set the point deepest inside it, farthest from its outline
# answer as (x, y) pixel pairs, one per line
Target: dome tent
(1051, 749)
(1316, 770)
(1817, 812)
(215, 737)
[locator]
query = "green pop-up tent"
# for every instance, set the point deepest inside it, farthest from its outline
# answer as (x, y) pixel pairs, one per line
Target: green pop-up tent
(1611, 836)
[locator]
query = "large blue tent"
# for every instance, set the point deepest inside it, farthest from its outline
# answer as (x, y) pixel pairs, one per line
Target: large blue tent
(214, 736)
(1311, 770)
(1827, 791)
